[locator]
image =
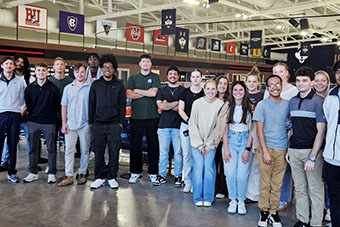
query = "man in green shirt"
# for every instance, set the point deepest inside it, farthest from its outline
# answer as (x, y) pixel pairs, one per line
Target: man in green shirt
(142, 88)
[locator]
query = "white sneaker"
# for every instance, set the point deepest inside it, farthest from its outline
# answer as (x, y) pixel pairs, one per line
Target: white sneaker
(199, 204)
(31, 177)
(328, 215)
(241, 207)
(113, 183)
(97, 183)
(46, 170)
(135, 177)
(232, 207)
(152, 177)
(187, 188)
(220, 196)
(51, 179)
(207, 204)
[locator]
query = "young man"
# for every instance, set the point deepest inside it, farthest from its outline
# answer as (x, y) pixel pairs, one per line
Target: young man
(168, 127)
(106, 115)
(21, 71)
(12, 100)
(93, 72)
(306, 161)
(61, 81)
(271, 115)
(331, 153)
(43, 103)
(142, 88)
(74, 114)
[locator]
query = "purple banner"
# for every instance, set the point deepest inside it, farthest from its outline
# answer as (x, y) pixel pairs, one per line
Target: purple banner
(71, 23)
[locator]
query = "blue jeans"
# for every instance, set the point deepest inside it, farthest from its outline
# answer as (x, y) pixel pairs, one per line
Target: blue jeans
(186, 150)
(203, 175)
(165, 136)
(287, 186)
(4, 158)
(235, 171)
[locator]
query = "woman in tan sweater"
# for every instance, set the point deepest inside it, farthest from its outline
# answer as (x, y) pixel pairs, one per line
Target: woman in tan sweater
(202, 132)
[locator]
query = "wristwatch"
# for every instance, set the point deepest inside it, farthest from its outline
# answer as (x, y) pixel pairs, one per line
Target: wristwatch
(248, 148)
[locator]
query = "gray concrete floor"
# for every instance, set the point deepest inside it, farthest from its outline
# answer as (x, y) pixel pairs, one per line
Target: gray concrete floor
(141, 204)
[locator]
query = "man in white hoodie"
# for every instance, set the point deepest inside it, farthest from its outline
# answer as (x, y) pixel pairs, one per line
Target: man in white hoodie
(331, 153)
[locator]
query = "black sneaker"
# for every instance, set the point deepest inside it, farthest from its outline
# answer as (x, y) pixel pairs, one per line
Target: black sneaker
(42, 160)
(301, 224)
(274, 220)
(178, 182)
(159, 181)
(263, 219)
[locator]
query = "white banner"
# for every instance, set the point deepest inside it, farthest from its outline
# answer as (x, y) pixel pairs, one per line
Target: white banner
(32, 17)
(106, 29)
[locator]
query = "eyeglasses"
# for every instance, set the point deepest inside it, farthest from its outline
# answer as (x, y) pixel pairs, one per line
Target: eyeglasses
(107, 67)
(274, 85)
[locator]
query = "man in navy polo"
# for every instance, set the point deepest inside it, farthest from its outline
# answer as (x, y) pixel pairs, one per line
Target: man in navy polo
(309, 125)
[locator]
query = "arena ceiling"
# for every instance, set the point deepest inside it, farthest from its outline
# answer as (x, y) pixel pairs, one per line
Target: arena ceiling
(229, 20)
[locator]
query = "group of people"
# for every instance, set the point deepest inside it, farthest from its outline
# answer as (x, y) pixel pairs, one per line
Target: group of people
(226, 142)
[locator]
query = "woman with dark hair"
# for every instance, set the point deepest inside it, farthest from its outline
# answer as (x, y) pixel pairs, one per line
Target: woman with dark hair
(223, 94)
(236, 145)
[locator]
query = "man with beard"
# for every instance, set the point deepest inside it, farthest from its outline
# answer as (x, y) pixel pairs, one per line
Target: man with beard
(168, 127)
(93, 72)
(107, 104)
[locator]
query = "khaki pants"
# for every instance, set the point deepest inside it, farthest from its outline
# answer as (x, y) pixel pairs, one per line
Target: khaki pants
(271, 176)
(307, 184)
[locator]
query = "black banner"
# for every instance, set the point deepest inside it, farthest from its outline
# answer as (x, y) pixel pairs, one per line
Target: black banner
(168, 21)
(266, 52)
(244, 48)
(182, 40)
(255, 39)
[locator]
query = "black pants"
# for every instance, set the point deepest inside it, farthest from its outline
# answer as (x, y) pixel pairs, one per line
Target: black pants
(332, 176)
(109, 135)
(138, 127)
(220, 183)
(10, 127)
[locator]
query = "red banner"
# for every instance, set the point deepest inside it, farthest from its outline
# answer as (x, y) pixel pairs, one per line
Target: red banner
(160, 39)
(134, 33)
(231, 48)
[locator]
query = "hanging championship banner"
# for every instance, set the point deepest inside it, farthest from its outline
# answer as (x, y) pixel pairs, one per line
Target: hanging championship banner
(255, 39)
(168, 21)
(182, 40)
(160, 39)
(257, 52)
(134, 33)
(244, 49)
(266, 52)
(32, 17)
(230, 48)
(71, 23)
(201, 43)
(215, 45)
(106, 29)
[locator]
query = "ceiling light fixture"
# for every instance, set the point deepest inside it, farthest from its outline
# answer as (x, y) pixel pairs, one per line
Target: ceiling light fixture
(238, 15)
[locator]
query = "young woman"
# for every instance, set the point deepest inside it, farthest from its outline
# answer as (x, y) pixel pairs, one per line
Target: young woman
(189, 95)
(288, 92)
(202, 131)
(321, 87)
(223, 94)
(236, 143)
(253, 83)
(321, 83)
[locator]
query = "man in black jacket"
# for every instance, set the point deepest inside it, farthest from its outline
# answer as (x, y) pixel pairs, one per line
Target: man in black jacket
(107, 103)
(43, 103)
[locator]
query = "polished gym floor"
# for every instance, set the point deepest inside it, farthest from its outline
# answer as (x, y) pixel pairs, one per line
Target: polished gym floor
(141, 204)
